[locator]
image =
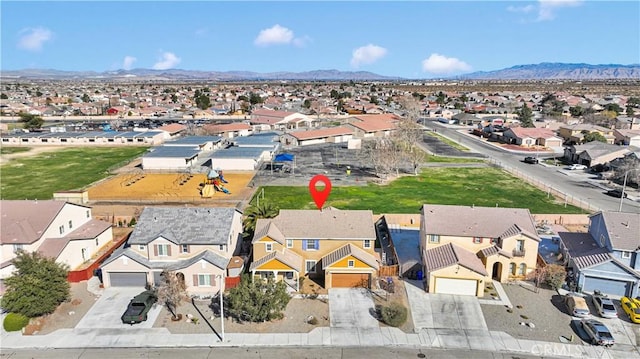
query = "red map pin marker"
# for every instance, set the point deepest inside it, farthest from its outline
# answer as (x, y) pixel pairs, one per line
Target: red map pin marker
(320, 196)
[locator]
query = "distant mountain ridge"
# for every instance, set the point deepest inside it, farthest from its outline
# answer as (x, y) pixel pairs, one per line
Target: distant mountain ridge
(542, 71)
(558, 71)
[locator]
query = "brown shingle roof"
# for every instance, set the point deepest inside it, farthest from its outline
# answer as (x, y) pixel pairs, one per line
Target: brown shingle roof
(322, 132)
(24, 222)
(349, 250)
(264, 228)
(172, 128)
(468, 221)
(493, 250)
(449, 254)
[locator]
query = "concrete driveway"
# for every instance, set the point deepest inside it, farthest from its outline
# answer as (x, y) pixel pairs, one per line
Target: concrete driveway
(351, 308)
(444, 310)
(108, 309)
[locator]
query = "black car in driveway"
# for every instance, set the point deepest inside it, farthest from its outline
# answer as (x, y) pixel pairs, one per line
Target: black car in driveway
(531, 160)
(616, 193)
(139, 307)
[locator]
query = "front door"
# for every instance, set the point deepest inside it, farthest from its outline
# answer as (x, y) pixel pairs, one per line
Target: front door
(497, 271)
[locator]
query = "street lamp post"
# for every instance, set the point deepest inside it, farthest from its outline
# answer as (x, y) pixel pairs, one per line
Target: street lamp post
(221, 308)
(624, 186)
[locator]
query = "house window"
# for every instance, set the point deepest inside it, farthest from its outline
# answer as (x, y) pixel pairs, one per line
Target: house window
(522, 268)
(221, 247)
(141, 247)
(184, 248)
(289, 243)
(626, 255)
(204, 280)
(434, 238)
(351, 263)
(367, 244)
(88, 214)
(519, 245)
(163, 250)
(268, 247)
(310, 266)
(70, 224)
(477, 240)
(311, 245)
(61, 229)
(512, 268)
(17, 248)
(97, 242)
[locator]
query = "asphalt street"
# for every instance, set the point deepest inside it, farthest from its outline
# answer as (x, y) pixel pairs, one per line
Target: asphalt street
(582, 188)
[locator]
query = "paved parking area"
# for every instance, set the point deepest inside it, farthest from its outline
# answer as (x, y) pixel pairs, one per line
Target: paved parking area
(444, 310)
(351, 308)
(108, 309)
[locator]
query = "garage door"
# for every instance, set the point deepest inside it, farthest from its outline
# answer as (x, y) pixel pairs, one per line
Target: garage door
(607, 286)
(121, 279)
(349, 280)
(456, 286)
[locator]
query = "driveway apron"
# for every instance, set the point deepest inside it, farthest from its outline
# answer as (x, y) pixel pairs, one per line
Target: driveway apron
(351, 308)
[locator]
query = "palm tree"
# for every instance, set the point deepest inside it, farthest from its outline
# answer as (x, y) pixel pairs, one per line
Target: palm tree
(262, 210)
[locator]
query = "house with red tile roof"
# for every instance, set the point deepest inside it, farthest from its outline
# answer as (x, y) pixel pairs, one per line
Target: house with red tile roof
(229, 130)
(373, 125)
(172, 130)
(263, 119)
(57, 229)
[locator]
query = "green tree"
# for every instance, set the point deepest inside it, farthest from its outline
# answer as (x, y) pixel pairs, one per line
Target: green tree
(441, 98)
(629, 111)
(202, 100)
(263, 210)
(594, 136)
(31, 122)
(37, 286)
(257, 300)
(525, 115)
(306, 104)
(554, 275)
(3, 96)
(613, 107)
(86, 98)
(374, 99)
(576, 111)
(174, 98)
(254, 98)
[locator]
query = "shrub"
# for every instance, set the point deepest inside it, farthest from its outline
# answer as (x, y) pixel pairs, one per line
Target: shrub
(394, 314)
(14, 322)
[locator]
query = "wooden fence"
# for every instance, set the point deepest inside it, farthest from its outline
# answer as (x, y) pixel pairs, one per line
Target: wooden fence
(389, 271)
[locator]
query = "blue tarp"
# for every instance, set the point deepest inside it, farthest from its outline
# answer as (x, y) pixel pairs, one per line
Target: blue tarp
(283, 157)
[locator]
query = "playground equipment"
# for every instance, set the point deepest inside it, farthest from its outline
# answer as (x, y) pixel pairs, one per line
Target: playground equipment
(213, 183)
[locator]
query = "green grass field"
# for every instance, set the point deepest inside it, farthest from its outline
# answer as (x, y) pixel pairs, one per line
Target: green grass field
(38, 177)
(11, 150)
(486, 187)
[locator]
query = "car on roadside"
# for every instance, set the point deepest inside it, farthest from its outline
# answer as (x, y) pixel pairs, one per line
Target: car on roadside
(616, 193)
(598, 333)
(631, 306)
(531, 160)
(577, 306)
(604, 306)
(139, 307)
(576, 166)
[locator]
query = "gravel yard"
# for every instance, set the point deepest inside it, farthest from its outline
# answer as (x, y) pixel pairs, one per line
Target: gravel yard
(544, 309)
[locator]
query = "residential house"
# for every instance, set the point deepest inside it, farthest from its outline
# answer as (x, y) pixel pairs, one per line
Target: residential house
(464, 247)
(57, 229)
(196, 243)
(627, 137)
(607, 257)
(263, 119)
(229, 130)
(172, 130)
(316, 136)
(333, 246)
(594, 153)
(529, 137)
(575, 133)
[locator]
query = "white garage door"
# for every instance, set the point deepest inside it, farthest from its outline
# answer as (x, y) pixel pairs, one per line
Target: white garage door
(456, 286)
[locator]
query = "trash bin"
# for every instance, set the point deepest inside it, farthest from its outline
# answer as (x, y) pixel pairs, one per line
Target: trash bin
(419, 275)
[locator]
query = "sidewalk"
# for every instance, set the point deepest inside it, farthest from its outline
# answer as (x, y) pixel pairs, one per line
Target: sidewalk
(332, 337)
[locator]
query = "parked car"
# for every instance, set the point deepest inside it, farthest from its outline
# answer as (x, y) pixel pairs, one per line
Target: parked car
(139, 307)
(598, 333)
(604, 306)
(631, 306)
(616, 193)
(531, 160)
(577, 306)
(576, 166)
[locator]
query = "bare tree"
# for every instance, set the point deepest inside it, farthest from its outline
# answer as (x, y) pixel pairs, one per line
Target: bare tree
(384, 154)
(171, 291)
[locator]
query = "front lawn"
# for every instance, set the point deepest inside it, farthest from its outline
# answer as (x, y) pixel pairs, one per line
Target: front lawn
(486, 187)
(38, 177)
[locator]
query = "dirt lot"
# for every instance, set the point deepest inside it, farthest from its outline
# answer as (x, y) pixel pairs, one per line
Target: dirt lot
(32, 152)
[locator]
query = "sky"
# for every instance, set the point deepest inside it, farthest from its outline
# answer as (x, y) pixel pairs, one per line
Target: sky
(412, 39)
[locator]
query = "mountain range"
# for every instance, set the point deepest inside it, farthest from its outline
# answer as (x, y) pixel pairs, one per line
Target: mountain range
(543, 71)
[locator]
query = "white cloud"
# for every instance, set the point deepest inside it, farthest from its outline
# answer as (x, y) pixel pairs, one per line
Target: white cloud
(439, 64)
(367, 55)
(275, 35)
(201, 31)
(32, 39)
(523, 9)
(168, 60)
(547, 8)
(128, 61)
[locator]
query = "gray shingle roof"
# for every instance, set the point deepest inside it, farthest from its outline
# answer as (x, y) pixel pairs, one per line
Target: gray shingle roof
(623, 229)
(194, 225)
(349, 250)
(449, 254)
(468, 221)
(211, 257)
(330, 223)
